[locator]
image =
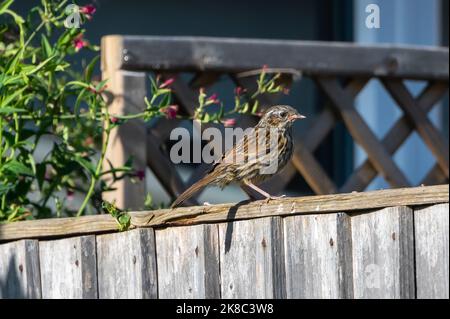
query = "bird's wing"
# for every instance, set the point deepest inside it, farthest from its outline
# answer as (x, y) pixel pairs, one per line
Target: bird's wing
(247, 148)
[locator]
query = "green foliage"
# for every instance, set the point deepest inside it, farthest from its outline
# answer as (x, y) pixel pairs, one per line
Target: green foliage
(43, 97)
(123, 219)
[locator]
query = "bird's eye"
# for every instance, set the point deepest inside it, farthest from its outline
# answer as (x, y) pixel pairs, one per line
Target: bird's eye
(283, 114)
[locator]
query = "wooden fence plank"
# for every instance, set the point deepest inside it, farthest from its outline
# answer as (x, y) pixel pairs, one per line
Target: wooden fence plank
(19, 270)
(68, 268)
(432, 251)
(383, 254)
(317, 255)
(411, 196)
(230, 55)
(251, 259)
(126, 265)
(188, 262)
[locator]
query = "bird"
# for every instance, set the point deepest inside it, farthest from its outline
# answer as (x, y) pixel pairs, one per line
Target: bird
(248, 161)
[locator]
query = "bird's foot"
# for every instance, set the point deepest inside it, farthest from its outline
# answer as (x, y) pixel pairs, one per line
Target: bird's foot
(268, 199)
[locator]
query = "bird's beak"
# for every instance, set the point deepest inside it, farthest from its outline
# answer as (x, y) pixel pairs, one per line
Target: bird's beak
(296, 117)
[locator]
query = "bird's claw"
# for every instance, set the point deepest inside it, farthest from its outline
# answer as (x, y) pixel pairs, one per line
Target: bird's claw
(268, 199)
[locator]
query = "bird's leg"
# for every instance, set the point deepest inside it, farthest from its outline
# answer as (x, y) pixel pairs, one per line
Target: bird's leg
(262, 192)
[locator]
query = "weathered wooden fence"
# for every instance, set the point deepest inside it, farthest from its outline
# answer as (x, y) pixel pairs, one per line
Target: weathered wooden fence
(382, 244)
(340, 70)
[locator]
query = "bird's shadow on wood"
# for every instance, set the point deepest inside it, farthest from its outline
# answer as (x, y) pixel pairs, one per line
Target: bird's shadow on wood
(10, 284)
(230, 216)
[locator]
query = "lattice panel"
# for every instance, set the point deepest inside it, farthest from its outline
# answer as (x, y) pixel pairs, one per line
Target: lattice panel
(339, 107)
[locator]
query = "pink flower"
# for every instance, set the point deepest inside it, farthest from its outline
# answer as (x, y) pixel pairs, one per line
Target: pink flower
(213, 99)
(265, 67)
(70, 195)
(229, 122)
(114, 120)
(88, 10)
(79, 42)
(140, 174)
(238, 90)
(167, 83)
(170, 111)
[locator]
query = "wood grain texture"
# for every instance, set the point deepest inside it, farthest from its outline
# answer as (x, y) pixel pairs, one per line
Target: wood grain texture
(126, 265)
(19, 270)
(315, 256)
(432, 251)
(68, 268)
(251, 259)
(188, 262)
(383, 254)
(412, 196)
(231, 54)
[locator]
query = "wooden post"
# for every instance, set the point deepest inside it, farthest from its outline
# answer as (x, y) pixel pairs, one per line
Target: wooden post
(126, 92)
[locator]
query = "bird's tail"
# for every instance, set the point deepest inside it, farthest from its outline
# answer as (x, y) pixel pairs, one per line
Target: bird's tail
(197, 186)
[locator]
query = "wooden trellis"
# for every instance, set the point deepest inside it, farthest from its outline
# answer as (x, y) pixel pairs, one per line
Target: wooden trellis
(341, 71)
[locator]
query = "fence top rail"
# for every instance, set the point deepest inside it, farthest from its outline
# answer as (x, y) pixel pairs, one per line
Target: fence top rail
(146, 53)
(351, 202)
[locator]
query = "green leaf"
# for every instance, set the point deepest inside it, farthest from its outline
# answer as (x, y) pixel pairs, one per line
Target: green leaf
(47, 48)
(11, 97)
(11, 65)
(90, 69)
(5, 5)
(17, 168)
(11, 110)
(124, 221)
(40, 65)
(255, 107)
(76, 109)
(100, 85)
(78, 83)
(86, 164)
(5, 188)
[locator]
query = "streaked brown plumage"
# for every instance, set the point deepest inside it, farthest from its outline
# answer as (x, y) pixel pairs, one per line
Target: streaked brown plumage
(249, 157)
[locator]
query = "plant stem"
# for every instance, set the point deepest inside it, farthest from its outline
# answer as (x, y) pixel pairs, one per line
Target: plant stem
(97, 175)
(1, 140)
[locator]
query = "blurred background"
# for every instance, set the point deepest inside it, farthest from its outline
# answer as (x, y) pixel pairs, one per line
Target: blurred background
(405, 22)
